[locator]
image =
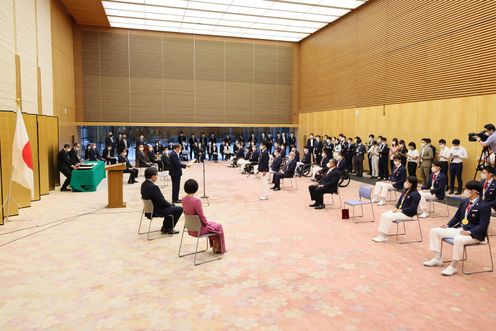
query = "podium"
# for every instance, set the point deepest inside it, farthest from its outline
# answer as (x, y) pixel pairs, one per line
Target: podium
(115, 175)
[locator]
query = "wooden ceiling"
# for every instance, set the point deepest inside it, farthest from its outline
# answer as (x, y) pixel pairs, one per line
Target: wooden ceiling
(87, 12)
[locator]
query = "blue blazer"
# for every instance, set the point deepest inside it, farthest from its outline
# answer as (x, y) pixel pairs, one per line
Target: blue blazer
(398, 177)
(290, 169)
(263, 162)
(490, 194)
(478, 218)
(410, 203)
(439, 185)
(176, 167)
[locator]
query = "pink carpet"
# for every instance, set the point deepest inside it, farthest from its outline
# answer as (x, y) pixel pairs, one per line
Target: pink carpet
(288, 267)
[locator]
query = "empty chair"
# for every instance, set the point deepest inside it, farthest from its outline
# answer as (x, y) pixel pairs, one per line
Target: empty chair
(365, 193)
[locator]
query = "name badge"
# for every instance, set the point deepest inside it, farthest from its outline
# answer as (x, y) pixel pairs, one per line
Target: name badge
(465, 221)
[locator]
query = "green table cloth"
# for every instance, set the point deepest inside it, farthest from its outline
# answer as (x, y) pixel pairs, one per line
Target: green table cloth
(88, 180)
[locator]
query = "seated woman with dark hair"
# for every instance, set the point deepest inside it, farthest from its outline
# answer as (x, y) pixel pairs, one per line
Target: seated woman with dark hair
(405, 208)
(193, 206)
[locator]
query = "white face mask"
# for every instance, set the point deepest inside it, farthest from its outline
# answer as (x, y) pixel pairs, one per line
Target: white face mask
(442, 145)
(466, 193)
(434, 170)
(407, 185)
(422, 144)
(397, 163)
(483, 176)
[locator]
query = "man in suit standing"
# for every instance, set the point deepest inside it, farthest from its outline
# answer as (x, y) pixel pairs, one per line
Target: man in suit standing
(133, 172)
(292, 140)
(426, 157)
(65, 166)
(383, 159)
(108, 155)
(110, 139)
(468, 226)
(328, 184)
(74, 154)
(360, 151)
(161, 207)
(192, 145)
(176, 171)
(263, 168)
(288, 172)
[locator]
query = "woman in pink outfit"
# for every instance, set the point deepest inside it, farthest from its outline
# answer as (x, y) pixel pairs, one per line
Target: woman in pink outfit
(193, 206)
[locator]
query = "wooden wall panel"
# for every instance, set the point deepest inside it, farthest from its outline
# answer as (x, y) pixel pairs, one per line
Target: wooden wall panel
(397, 52)
(435, 119)
(48, 140)
(145, 76)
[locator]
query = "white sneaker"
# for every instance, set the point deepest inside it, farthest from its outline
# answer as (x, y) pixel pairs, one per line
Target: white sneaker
(424, 215)
(435, 262)
(449, 271)
(381, 203)
(380, 238)
(264, 197)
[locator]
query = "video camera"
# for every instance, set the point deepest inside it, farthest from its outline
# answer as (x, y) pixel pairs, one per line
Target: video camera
(481, 135)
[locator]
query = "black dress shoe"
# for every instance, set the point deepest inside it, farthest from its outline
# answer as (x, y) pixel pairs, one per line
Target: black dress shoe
(320, 207)
(65, 190)
(313, 205)
(277, 189)
(451, 192)
(172, 231)
(177, 201)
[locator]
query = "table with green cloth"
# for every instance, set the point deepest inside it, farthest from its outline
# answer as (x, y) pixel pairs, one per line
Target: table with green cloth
(88, 180)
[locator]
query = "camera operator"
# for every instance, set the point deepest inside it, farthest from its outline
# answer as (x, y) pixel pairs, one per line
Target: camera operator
(490, 132)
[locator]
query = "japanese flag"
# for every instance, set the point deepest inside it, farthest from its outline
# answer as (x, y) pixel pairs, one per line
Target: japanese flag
(22, 157)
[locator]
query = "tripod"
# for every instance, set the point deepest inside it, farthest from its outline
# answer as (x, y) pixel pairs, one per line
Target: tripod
(483, 160)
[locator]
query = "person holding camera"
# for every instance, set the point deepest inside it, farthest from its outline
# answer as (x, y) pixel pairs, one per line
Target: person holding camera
(490, 133)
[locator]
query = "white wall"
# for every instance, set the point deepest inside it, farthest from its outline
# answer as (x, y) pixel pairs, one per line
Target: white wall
(30, 38)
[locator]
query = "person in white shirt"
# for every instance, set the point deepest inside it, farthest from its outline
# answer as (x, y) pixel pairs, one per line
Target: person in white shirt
(457, 155)
(443, 157)
(412, 159)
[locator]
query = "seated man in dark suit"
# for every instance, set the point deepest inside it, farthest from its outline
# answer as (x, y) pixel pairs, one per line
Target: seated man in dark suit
(133, 172)
(161, 207)
(328, 184)
(275, 167)
(93, 154)
(435, 188)
(141, 160)
(287, 173)
(165, 159)
(153, 158)
(108, 155)
(468, 226)
(488, 186)
(341, 165)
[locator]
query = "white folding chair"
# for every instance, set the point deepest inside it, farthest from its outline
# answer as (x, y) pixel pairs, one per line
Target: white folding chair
(193, 223)
(164, 177)
(450, 241)
(332, 198)
(364, 192)
(148, 213)
(292, 181)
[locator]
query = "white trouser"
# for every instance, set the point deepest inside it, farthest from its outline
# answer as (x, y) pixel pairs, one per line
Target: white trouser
(424, 195)
(387, 219)
(381, 189)
(242, 164)
(265, 185)
(375, 166)
(437, 234)
(315, 169)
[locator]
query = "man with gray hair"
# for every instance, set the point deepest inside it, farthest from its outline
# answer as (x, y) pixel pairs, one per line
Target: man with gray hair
(328, 184)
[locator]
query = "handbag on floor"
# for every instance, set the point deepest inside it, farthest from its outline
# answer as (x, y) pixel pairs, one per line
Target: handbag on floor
(345, 214)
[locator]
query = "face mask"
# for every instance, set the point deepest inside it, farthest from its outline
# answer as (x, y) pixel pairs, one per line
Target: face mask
(356, 141)
(422, 144)
(396, 163)
(466, 193)
(483, 176)
(407, 185)
(434, 170)
(442, 145)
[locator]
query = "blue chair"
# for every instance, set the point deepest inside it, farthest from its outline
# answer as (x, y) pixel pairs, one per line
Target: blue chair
(403, 221)
(451, 241)
(432, 205)
(364, 192)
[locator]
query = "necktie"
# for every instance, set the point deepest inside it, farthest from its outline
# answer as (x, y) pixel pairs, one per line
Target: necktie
(468, 208)
(486, 184)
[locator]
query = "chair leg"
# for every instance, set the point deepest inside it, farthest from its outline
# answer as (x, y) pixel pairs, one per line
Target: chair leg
(141, 220)
(180, 244)
(481, 271)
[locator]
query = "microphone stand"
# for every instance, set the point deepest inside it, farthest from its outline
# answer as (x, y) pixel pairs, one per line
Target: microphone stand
(204, 196)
